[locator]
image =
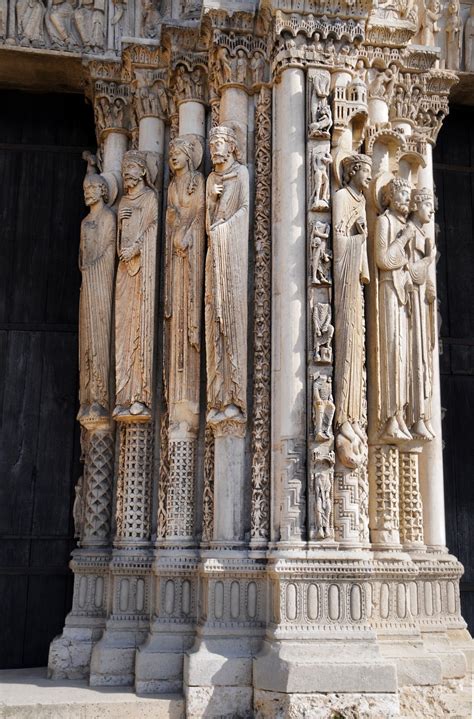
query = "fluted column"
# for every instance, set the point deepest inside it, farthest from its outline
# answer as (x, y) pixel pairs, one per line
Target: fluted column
(288, 310)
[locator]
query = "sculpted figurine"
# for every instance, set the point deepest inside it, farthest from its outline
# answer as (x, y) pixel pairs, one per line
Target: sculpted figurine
(257, 65)
(89, 21)
(321, 117)
(78, 508)
(96, 262)
(185, 240)
(320, 161)
(421, 253)
(59, 23)
(151, 18)
(429, 23)
(320, 255)
(351, 273)
(29, 18)
(322, 333)
(392, 236)
(323, 407)
(453, 31)
(135, 291)
(469, 42)
(241, 67)
(227, 224)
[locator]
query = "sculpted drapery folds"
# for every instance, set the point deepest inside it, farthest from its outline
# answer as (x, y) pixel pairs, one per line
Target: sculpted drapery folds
(351, 273)
(391, 242)
(421, 252)
(135, 291)
(227, 224)
(185, 240)
(96, 262)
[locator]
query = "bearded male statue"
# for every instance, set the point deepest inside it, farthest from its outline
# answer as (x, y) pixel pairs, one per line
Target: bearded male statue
(227, 225)
(135, 291)
(392, 237)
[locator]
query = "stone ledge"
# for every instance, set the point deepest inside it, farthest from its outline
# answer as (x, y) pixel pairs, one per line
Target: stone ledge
(28, 694)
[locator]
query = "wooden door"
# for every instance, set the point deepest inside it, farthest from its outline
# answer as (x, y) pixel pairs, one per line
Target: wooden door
(41, 171)
(454, 178)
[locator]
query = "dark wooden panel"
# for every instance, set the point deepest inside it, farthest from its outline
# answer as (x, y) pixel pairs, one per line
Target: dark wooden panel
(454, 176)
(41, 206)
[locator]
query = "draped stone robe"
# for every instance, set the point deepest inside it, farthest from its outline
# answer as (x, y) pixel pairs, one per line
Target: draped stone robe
(226, 289)
(97, 264)
(392, 298)
(135, 300)
(185, 240)
(421, 334)
(351, 272)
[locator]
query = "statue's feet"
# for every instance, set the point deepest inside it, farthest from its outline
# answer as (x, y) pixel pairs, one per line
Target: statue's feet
(403, 426)
(430, 429)
(393, 433)
(140, 409)
(420, 431)
(233, 412)
(137, 412)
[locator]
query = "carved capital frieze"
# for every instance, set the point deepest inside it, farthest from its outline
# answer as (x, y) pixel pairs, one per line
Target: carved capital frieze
(238, 60)
(150, 93)
(112, 107)
(189, 81)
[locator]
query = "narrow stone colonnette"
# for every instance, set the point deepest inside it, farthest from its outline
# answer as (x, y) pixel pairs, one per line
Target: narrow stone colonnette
(260, 517)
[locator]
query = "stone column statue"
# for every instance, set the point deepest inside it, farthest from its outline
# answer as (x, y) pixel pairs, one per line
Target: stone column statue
(391, 257)
(227, 223)
(183, 304)
(96, 262)
(421, 252)
(135, 291)
(351, 272)
(469, 42)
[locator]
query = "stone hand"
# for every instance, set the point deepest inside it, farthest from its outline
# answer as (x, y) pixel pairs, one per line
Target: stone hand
(127, 253)
(125, 213)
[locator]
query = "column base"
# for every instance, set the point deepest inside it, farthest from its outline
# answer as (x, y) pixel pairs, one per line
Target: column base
(113, 657)
(218, 677)
(70, 653)
(328, 666)
(159, 661)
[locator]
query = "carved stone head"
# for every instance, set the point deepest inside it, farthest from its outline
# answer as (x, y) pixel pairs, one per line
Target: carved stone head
(185, 153)
(135, 170)
(223, 144)
(421, 205)
(396, 196)
(357, 170)
(95, 188)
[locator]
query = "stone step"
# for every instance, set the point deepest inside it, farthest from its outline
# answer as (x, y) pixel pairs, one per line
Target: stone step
(28, 694)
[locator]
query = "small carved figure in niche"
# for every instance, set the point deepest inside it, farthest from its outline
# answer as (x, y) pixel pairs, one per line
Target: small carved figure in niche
(399, 102)
(78, 509)
(185, 247)
(227, 223)
(196, 90)
(151, 19)
(89, 21)
(3, 19)
(241, 67)
(430, 22)
(322, 333)
(323, 490)
(59, 23)
(469, 42)
(330, 51)
(318, 43)
(382, 85)
(96, 262)
(323, 407)
(413, 103)
(321, 116)
(453, 31)
(391, 245)
(135, 291)
(422, 316)
(320, 161)
(29, 18)
(351, 273)
(223, 66)
(320, 255)
(257, 65)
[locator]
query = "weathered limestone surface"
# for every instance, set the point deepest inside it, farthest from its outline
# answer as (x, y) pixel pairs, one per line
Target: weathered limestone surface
(260, 516)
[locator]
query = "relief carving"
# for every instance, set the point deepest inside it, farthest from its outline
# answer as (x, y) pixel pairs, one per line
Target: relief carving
(320, 161)
(322, 407)
(227, 223)
(320, 112)
(320, 255)
(323, 332)
(135, 291)
(89, 20)
(29, 19)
